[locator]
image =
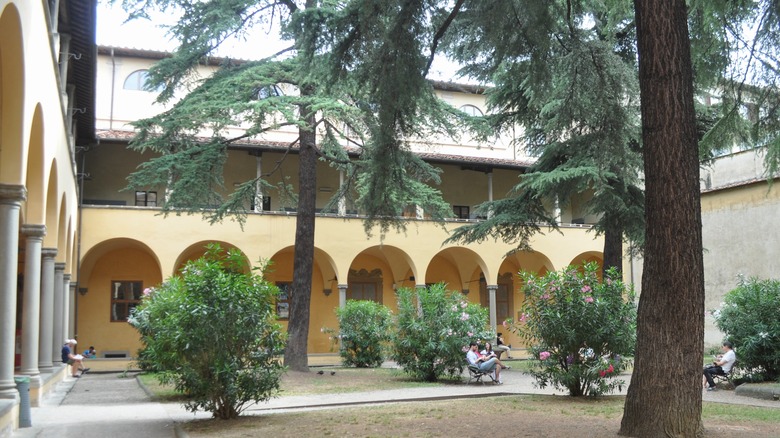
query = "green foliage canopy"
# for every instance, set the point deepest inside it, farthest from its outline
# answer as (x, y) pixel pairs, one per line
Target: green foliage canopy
(212, 333)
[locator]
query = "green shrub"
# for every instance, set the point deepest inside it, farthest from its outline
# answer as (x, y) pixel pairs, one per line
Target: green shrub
(431, 339)
(211, 332)
(750, 318)
(579, 329)
(364, 330)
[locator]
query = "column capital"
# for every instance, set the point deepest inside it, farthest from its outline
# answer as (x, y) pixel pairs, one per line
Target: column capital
(34, 230)
(66, 277)
(59, 266)
(10, 193)
(343, 286)
(48, 253)
(492, 287)
(420, 286)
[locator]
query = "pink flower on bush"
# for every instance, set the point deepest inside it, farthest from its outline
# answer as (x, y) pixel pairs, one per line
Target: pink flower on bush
(470, 334)
(463, 304)
(454, 308)
(602, 373)
(611, 369)
(523, 317)
(464, 316)
(504, 323)
(545, 296)
(586, 289)
(544, 355)
(147, 291)
(588, 299)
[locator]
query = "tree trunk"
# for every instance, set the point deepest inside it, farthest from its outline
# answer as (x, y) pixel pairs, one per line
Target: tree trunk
(613, 249)
(295, 354)
(664, 398)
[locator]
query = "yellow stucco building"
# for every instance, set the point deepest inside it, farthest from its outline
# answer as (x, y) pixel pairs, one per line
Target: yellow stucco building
(126, 244)
(77, 250)
(47, 69)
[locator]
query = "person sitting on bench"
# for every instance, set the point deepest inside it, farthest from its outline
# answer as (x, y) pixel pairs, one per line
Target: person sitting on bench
(501, 347)
(488, 353)
(483, 363)
(722, 366)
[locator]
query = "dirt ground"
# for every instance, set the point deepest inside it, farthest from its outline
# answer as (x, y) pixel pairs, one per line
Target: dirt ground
(516, 416)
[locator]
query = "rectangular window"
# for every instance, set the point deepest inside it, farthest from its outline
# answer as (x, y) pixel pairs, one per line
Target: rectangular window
(146, 199)
(364, 291)
(125, 295)
(266, 204)
(461, 211)
(283, 300)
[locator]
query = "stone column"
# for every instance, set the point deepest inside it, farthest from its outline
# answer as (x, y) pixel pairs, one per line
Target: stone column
(418, 288)
(31, 311)
(59, 303)
(258, 185)
(45, 363)
(490, 192)
(66, 304)
(11, 197)
(342, 199)
(491, 288)
(343, 295)
(71, 331)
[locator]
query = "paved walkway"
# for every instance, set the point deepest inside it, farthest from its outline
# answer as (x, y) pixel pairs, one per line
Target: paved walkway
(104, 405)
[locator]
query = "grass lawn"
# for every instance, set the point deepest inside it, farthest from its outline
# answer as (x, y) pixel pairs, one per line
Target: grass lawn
(521, 415)
(295, 383)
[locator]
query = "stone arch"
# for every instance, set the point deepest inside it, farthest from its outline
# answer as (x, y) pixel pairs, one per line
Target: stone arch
(36, 177)
(112, 277)
(62, 231)
(376, 271)
(196, 250)
(97, 252)
(509, 294)
(590, 257)
(323, 294)
(53, 209)
(11, 96)
(462, 269)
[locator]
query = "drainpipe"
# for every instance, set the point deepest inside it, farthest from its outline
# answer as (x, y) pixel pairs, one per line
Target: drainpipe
(113, 85)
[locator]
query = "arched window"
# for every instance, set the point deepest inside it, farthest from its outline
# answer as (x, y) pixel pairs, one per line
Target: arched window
(269, 91)
(137, 80)
(471, 110)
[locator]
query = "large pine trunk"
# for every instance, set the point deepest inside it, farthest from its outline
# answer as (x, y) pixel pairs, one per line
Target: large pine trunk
(295, 354)
(613, 249)
(664, 398)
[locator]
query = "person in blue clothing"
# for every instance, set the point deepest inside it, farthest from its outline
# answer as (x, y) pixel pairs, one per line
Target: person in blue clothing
(74, 360)
(90, 353)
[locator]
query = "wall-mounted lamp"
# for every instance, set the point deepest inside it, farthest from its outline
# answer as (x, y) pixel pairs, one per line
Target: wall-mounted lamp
(464, 291)
(328, 290)
(82, 291)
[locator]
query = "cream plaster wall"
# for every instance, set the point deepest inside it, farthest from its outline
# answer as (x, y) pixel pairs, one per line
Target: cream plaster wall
(117, 107)
(341, 245)
(740, 236)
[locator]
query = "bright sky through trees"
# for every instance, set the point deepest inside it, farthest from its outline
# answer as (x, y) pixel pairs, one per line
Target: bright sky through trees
(112, 30)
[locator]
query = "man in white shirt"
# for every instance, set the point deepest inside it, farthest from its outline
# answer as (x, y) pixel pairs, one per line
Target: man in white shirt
(483, 363)
(722, 366)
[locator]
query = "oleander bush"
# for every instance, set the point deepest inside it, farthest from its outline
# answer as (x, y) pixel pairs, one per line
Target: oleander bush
(212, 332)
(579, 329)
(750, 319)
(363, 334)
(433, 330)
